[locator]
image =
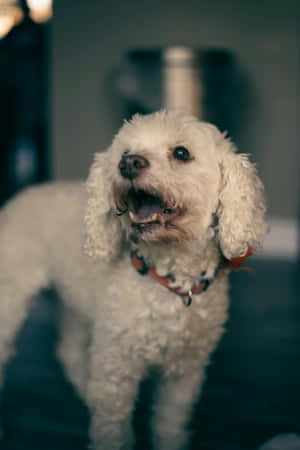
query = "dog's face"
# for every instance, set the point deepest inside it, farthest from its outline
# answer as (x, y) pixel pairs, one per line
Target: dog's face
(166, 178)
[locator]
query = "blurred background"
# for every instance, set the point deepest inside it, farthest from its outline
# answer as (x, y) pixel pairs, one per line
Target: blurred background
(70, 73)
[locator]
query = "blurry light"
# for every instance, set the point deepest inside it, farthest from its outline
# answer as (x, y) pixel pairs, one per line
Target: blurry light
(24, 161)
(10, 15)
(6, 24)
(40, 10)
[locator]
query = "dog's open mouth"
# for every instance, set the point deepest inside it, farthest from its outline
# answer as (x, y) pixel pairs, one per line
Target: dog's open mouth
(147, 210)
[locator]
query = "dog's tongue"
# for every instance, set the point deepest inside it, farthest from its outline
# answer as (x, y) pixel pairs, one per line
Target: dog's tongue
(145, 208)
(148, 210)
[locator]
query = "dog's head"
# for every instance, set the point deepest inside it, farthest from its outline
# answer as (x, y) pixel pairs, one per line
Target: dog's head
(169, 178)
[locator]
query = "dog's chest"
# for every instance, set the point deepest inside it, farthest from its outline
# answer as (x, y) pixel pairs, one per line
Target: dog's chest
(153, 322)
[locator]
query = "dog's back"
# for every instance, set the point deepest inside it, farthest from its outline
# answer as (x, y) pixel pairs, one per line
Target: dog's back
(31, 229)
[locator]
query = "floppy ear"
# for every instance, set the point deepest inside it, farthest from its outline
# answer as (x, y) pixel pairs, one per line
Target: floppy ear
(241, 211)
(103, 231)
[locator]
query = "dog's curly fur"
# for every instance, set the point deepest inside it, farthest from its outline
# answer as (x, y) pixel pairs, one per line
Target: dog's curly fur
(116, 324)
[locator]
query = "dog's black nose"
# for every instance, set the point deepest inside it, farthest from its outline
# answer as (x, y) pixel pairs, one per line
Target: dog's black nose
(131, 166)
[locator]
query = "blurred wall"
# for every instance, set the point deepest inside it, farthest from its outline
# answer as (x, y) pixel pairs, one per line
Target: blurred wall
(90, 37)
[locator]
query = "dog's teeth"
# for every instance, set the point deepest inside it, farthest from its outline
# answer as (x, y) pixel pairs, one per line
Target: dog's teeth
(132, 216)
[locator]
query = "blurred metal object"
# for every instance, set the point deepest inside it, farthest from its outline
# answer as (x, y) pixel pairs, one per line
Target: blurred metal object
(182, 88)
(201, 82)
(11, 14)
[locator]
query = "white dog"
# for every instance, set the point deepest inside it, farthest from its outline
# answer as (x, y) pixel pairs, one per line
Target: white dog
(164, 207)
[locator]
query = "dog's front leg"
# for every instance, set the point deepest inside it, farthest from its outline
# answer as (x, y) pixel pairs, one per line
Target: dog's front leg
(112, 391)
(173, 406)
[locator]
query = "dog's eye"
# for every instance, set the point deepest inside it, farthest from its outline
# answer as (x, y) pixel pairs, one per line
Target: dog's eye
(181, 153)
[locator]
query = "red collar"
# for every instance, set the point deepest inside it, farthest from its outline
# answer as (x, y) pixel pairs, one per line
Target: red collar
(236, 263)
(140, 265)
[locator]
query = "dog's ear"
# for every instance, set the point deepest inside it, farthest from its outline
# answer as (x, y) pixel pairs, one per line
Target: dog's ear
(242, 209)
(103, 231)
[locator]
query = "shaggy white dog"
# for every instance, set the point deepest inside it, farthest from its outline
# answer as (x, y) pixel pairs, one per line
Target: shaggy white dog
(170, 199)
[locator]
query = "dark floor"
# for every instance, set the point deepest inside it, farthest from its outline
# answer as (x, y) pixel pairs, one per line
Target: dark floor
(253, 387)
